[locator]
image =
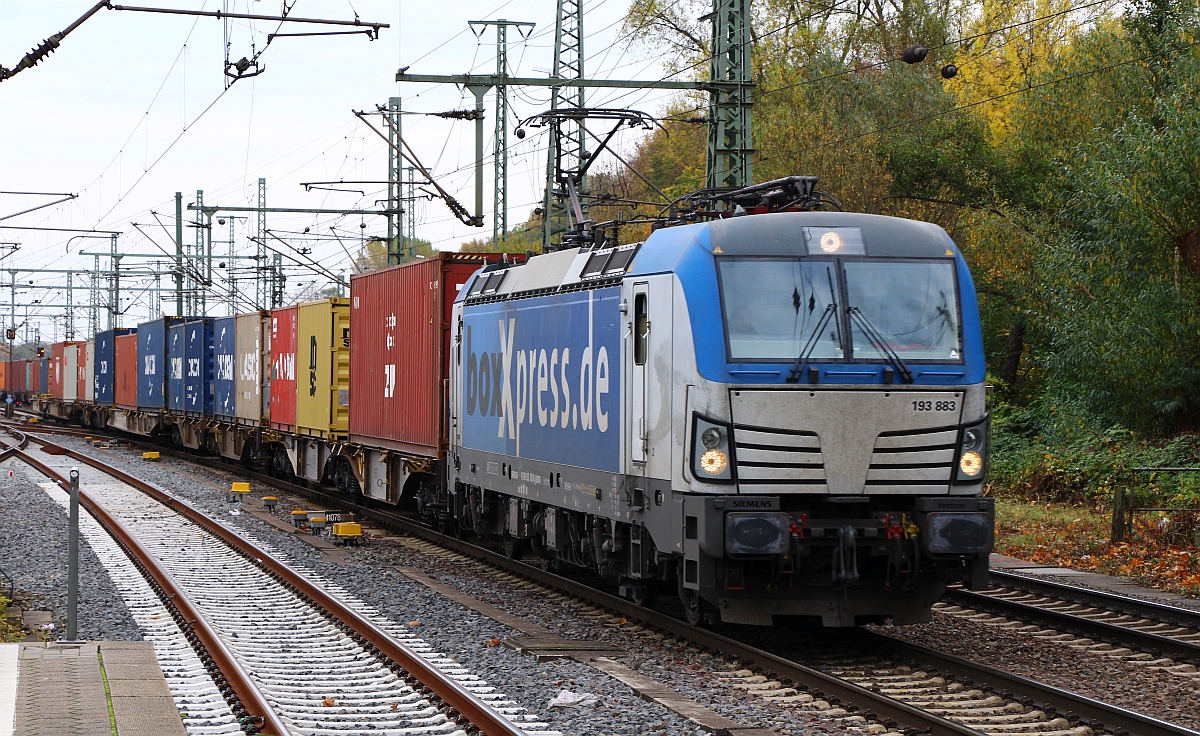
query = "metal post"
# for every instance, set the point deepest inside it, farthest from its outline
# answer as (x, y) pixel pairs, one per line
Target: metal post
(566, 153)
(729, 141)
(262, 289)
(410, 222)
(395, 223)
(479, 92)
(114, 313)
(178, 255)
(1118, 516)
(73, 561)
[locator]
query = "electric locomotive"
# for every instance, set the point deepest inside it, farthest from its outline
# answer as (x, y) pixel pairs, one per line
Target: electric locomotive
(779, 414)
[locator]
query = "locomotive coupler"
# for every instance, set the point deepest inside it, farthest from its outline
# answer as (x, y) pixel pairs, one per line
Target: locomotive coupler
(845, 557)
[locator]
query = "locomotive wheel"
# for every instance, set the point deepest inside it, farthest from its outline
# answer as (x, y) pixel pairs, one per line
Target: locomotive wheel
(513, 548)
(693, 605)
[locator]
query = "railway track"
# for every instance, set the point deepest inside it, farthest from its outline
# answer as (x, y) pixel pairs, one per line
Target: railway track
(1151, 628)
(907, 686)
(290, 656)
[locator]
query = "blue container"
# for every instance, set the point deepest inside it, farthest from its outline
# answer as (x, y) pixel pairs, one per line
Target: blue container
(198, 368)
(106, 346)
(224, 378)
(44, 372)
(176, 340)
(153, 360)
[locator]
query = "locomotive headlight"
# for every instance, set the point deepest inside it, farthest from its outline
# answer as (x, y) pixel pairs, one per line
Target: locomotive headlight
(714, 462)
(831, 242)
(971, 463)
(712, 448)
(972, 439)
(972, 453)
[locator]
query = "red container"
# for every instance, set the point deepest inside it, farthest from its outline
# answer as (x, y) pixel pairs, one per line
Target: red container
(35, 377)
(125, 377)
(400, 325)
(283, 368)
(17, 373)
(56, 370)
(82, 382)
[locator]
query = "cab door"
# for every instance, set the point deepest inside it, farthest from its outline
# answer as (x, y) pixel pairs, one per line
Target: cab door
(639, 348)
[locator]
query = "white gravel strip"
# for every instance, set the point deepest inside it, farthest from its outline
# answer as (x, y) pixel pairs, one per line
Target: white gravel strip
(191, 687)
(318, 679)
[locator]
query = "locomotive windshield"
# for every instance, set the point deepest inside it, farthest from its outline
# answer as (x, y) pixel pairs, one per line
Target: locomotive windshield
(778, 308)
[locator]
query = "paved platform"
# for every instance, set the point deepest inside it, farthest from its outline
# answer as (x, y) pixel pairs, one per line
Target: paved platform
(1119, 586)
(68, 690)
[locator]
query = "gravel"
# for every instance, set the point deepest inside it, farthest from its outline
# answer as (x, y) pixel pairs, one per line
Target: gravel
(1138, 687)
(369, 573)
(33, 552)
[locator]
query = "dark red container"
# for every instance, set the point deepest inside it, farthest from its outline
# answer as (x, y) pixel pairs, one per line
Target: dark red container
(17, 375)
(125, 378)
(35, 377)
(283, 368)
(400, 325)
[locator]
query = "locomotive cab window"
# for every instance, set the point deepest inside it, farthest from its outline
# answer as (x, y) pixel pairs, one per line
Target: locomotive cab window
(909, 307)
(641, 329)
(839, 309)
(776, 308)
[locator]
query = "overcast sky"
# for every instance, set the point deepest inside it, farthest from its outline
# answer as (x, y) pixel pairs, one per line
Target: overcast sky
(133, 108)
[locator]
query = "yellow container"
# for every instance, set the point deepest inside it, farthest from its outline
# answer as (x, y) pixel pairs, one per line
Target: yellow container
(323, 368)
(347, 529)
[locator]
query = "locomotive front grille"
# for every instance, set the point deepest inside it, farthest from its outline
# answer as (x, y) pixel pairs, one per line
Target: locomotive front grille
(771, 456)
(913, 459)
(841, 442)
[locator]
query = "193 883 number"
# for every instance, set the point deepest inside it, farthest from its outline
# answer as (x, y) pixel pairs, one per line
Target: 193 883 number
(934, 405)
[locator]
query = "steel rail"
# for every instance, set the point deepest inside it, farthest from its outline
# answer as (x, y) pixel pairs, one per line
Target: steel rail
(1100, 715)
(873, 705)
(1109, 600)
(253, 705)
(1071, 623)
(868, 703)
(467, 705)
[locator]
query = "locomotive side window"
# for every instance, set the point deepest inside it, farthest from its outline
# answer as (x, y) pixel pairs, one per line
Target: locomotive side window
(641, 329)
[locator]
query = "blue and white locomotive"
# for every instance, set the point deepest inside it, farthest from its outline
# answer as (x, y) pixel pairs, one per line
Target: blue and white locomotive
(774, 414)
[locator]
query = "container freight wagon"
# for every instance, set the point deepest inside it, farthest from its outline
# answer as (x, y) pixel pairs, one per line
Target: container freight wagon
(105, 361)
(68, 378)
(153, 358)
(176, 341)
(399, 352)
(18, 375)
(198, 368)
(283, 369)
(125, 371)
(54, 374)
(224, 377)
(84, 385)
(252, 368)
(323, 368)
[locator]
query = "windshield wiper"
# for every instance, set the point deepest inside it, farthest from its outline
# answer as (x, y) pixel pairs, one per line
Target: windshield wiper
(873, 334)
(797, 370)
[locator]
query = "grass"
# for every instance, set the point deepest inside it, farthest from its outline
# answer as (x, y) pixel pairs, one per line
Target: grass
(10, 629)
(1161, 554)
